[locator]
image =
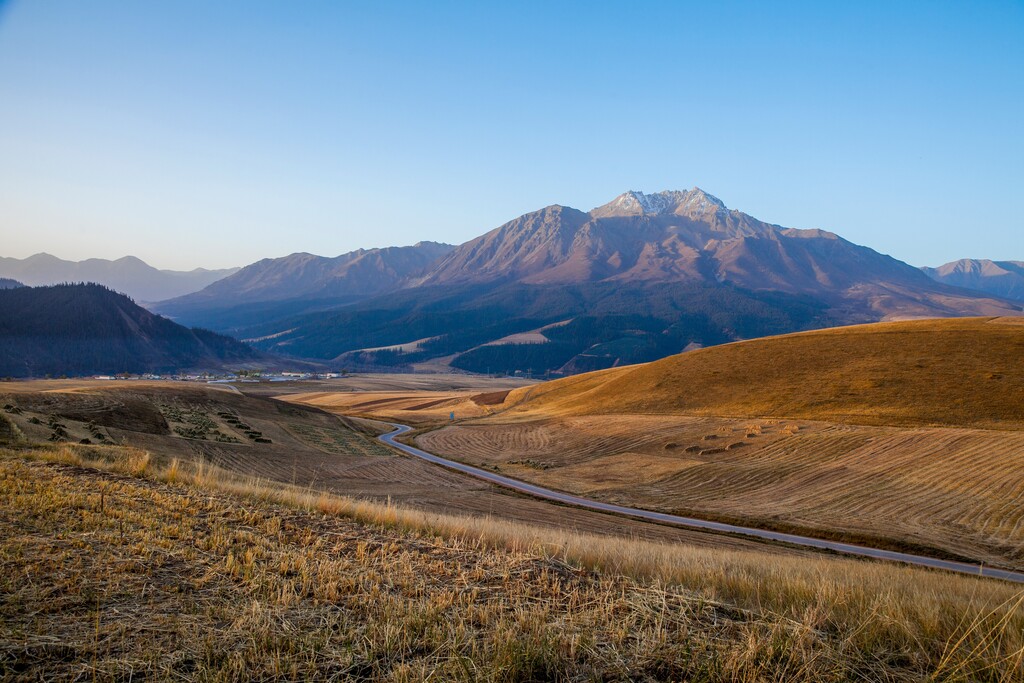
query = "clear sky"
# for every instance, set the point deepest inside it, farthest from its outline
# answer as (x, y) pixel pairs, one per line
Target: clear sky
(214, 134)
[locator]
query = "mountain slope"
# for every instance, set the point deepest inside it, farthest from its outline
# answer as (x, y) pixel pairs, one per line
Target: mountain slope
(128, 275)
(959, 372)
(606, 323)
(639, 278)
(8, 283)
(88, 329)
(692, 237)
(303, 280)
(997, 278)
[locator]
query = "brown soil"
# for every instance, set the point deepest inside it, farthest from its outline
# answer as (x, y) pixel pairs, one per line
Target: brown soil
(493, 398)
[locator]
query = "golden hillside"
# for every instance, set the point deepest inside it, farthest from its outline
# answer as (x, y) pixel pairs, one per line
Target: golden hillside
(965, 371)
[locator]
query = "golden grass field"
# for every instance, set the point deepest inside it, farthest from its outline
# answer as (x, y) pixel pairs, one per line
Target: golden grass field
(424, 407)
(181, 545)
(308, 447)
(964, 372)
(905, 435)
(113, 567)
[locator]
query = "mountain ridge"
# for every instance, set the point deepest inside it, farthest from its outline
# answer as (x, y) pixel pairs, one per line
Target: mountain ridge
(84, 329)
(638, 278)
(996, 278)
(692, 236)
(307, 277)
(128, 274)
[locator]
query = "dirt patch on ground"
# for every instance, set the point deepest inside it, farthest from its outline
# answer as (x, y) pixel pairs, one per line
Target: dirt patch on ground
(492, 398)
(432, 404)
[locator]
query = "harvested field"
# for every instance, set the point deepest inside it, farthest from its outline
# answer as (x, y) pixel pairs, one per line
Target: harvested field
(193, 575)
(832, 433)
(419, 408)
(307, 447)
(339, 442)
(492, 398)
(955, 491)
(375, 382)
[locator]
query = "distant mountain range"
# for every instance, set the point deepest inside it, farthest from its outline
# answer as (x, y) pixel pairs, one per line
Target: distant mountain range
(997, 278)
(128, 275)
(692, 237)
(300, 282)
(558, 289)
(89, 329)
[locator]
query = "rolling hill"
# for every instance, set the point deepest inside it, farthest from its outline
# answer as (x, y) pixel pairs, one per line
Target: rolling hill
(89, 329)
(8, 283)
(962, 372)
(996, 278)
(833, 433)
(128, 275)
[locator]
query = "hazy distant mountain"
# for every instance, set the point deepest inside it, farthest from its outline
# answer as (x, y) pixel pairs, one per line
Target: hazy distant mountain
(639, 278)
(302, 281)
(127, 275)
(998, 278)
(89, 329)
(8, 283)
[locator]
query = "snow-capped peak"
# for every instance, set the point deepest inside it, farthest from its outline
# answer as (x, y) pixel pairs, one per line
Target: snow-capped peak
(638, 203)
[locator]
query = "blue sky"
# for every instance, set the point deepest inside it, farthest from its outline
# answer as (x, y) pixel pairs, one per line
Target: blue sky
(214, 134)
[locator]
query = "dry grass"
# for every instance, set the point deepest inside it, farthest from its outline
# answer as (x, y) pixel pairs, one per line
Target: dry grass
(957, 492)
(956, 372)
(832, 433)
(309, 447)
(416, 408)
(113, 567)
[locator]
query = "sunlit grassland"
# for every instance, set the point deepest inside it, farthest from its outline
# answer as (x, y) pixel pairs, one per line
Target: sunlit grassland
(114, 565)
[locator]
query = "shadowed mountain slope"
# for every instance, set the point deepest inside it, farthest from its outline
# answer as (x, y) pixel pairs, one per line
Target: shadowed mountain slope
(89, 329)
(290, 284)
(560, 290)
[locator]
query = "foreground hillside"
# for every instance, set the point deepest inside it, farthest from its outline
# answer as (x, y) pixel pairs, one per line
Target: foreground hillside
(142, 572)
(963, 372)
(252, 435)
(832, 434)
(88, 329)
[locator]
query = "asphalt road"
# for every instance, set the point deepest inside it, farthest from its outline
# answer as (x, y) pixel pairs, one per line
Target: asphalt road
(577, 501)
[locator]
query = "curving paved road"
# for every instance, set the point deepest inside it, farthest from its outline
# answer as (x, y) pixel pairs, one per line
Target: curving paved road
(569, 499)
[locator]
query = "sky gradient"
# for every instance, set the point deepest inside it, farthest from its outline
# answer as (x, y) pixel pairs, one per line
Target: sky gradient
(215, 134)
